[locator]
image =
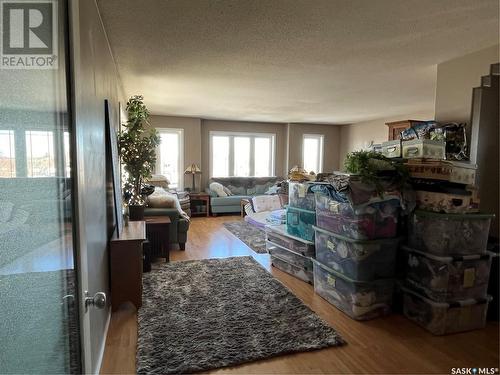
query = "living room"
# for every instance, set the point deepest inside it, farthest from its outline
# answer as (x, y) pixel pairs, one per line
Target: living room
(285, 186)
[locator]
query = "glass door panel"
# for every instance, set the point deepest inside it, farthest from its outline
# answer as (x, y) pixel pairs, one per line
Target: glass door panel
(38, 295)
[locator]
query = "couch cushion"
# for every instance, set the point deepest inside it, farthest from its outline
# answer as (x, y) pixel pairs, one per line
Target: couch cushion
(233, 200)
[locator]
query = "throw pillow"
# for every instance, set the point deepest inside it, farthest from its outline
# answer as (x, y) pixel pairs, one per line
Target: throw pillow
(161, 199)
(159, 180)
(227, 191)
(5, 211)
(218, 188)
(266, 203)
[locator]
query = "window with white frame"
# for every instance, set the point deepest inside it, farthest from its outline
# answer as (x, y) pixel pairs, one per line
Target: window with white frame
(40, 153)
(241, 154)
(7, 154)
(169, 159)
(312, 152)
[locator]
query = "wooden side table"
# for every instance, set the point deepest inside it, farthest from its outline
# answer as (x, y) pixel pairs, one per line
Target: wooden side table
(157, 233)
(196, 199)
(126, 265)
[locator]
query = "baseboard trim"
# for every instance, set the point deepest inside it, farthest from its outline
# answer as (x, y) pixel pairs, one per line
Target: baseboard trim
(103, 346)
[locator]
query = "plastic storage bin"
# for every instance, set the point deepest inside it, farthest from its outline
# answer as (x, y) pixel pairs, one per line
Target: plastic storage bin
(359, 299)
(441, 318)
(300, 223)
(298, 272)
(392, 149)
(300, 195)
(447, 234)
(448, 278)
(453, 201)
(278, 235)
(357, 259)
(376, 220)
(423, 148)
(289, 256)
(456, 172)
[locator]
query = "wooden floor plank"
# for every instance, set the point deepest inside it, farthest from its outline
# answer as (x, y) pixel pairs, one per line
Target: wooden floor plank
(390, 345)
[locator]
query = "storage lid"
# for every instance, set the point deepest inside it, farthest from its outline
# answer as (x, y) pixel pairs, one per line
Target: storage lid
(289, 208)
(391, 143)
(459, 303)
(448, 259)
(281, 229)
(347, 239)
(437, 215)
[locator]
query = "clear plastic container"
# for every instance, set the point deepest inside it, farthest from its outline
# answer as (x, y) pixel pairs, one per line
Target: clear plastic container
(300, 223)
(278, 235)
(300, 195)
(448, 278)
(360, 300)
(372, 221)
(362, 260)
(447, 234)
(441, 318)
(298, 272)
(289, 256)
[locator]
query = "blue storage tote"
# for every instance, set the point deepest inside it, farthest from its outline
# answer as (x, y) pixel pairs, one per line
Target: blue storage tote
(358, 259)
(300, 223)
(361, 300)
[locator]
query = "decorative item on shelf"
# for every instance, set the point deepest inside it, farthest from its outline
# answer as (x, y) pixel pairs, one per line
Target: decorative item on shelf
(137, 148)
(193, 170)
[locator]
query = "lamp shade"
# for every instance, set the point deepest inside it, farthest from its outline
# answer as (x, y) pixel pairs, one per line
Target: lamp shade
(192, 169)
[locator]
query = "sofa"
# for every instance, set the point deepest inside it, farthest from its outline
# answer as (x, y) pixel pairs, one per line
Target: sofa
(241, 188)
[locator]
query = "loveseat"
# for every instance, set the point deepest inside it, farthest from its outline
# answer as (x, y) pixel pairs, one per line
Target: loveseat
(179, 225)
(241, 188)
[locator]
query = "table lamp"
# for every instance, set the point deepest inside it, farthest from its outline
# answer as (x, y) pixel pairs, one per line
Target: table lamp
(193, 169)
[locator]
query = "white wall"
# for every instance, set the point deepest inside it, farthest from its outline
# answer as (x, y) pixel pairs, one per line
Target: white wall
(455, 80)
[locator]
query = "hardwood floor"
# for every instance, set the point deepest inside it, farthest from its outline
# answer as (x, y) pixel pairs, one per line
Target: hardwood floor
(391, 345)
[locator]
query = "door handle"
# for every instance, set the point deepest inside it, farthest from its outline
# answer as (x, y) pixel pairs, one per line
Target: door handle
(98, 300)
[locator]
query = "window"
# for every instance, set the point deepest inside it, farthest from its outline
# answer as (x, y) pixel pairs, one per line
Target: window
(170, 156)
(312, 152)
(40, 153)
(7, 154)
(241, 154)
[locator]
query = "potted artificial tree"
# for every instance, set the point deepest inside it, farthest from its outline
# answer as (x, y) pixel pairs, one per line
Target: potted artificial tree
(137, 148)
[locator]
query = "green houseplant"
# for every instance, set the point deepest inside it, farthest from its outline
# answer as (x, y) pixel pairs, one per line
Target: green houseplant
(137, 148)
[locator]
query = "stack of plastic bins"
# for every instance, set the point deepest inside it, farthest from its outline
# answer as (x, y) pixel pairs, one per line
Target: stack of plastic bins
(300, 214)
(356, 276)
(448, 270)
(356, 255)
(289, 253)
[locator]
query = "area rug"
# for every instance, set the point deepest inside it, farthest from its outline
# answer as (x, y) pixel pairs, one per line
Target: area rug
(253, 237)
(205, 314)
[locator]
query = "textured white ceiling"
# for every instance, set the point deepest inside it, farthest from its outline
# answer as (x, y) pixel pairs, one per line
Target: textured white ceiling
(322, 61)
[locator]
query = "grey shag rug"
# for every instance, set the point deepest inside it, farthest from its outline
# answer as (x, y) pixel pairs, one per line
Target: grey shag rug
(253, 237)
(205, 314)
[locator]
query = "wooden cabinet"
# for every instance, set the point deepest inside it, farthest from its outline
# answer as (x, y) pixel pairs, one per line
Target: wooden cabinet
(126, 256)
(396, 127)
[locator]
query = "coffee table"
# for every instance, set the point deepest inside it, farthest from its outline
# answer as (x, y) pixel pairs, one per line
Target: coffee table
(157, 233)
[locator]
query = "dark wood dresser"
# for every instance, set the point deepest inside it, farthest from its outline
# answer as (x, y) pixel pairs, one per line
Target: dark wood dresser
(126, 257)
